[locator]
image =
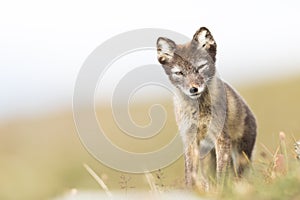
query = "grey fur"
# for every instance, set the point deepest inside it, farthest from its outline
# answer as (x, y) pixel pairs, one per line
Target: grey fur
(210, 114)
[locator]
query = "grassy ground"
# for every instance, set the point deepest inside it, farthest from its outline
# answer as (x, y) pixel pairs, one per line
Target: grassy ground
(42, 158)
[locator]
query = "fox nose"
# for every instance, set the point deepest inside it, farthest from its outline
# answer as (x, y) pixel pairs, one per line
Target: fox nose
(193, 90)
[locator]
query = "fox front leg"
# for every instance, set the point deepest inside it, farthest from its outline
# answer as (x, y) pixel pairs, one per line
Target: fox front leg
(192, 167)
(191, 157)
(223, 149)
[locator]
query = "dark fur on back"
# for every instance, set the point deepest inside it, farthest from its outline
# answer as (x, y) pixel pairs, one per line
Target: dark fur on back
(211, 115)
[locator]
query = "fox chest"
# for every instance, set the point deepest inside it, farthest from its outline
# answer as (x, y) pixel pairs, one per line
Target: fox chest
(192, 120)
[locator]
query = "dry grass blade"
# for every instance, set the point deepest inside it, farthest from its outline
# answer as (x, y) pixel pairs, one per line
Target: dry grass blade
(284, 148)
(266, 148)
(98, 179)
(276, 153)
(151, 181)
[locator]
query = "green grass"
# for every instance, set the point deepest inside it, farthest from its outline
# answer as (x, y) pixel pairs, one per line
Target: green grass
(274, 175)
(43, 157)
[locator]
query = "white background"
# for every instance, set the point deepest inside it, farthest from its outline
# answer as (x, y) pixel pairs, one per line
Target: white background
(44, 43)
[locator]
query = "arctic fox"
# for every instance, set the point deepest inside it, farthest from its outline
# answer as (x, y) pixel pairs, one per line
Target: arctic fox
(211, 116)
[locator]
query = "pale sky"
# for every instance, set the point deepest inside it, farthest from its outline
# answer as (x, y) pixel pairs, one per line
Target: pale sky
(44, 43)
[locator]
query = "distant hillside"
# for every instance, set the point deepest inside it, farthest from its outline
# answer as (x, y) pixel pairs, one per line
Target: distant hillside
(43, 157)
(277, 108)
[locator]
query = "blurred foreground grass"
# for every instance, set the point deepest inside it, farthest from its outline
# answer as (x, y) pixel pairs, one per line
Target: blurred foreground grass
(42, 158)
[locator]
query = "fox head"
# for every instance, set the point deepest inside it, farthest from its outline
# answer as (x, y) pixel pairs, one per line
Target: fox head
(190, 66)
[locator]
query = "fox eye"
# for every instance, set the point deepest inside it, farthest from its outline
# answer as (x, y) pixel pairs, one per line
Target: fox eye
(202, 68)
(179, 73)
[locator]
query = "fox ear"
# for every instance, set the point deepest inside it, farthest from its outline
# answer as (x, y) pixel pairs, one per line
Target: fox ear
(205, 40)
(165, 50)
